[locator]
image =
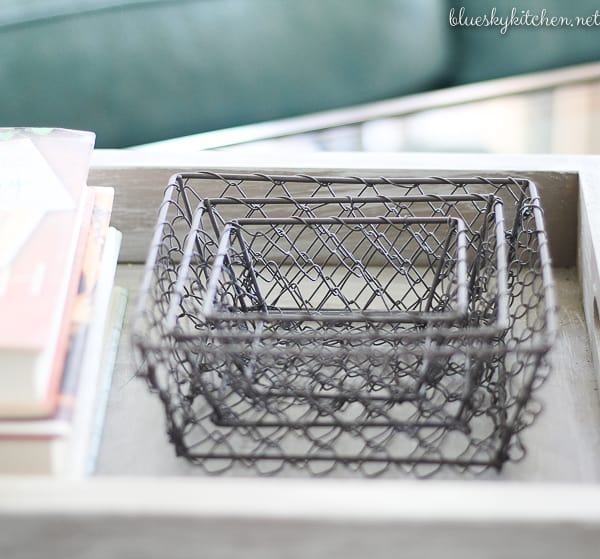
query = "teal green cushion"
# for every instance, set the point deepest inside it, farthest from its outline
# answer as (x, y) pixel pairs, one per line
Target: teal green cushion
(484, 53)
(141, 71)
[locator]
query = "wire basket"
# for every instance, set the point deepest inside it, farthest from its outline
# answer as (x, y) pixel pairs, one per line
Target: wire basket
(496, 363)
(303, 269)
(484, 233)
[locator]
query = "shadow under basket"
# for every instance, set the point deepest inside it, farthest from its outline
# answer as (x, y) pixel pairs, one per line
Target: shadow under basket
(370, 324)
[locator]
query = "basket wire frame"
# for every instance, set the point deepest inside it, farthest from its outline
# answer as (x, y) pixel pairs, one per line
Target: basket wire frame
(502, 405)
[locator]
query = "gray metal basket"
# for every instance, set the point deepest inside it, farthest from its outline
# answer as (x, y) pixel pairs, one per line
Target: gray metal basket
(474, 380)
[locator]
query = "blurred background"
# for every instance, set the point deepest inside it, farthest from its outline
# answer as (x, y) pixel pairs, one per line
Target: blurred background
(381, 75)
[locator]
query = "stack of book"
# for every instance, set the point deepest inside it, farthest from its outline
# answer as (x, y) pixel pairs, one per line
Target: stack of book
(60, 312)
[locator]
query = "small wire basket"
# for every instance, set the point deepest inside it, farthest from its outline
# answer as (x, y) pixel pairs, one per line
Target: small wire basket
(435, 393)
(303, 269)
(378, 384)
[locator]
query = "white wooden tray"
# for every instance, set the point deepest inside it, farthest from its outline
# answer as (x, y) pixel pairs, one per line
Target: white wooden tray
(146, 502)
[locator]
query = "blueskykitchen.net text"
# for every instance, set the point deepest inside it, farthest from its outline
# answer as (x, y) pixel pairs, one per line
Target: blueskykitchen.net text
(520, 18)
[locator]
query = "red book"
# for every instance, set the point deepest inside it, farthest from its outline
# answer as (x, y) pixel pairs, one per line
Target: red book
(44, 201)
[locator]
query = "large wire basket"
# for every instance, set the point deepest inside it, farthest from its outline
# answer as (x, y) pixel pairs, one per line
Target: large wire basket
(416, 394)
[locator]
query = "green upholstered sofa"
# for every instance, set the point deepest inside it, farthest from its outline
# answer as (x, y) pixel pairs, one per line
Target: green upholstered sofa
(137, 71)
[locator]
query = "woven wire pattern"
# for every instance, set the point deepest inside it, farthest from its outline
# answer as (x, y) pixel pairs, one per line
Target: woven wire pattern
(460, 394)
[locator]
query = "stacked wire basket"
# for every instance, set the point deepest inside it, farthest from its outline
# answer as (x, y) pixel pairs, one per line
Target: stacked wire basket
(366, 324)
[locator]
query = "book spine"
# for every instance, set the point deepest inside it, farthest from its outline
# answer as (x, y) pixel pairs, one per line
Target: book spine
(110, 347)
(82, 308)
(91, 365)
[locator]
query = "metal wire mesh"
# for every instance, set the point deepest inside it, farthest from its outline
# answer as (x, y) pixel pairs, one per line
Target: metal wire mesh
(413, 395)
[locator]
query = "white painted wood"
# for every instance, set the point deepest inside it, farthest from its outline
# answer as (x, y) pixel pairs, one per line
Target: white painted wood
(305, 499)
(294, 518)
(589, 252)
